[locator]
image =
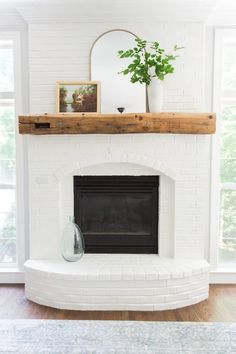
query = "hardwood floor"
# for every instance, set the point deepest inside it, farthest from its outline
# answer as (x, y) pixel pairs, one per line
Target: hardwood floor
(221, 306)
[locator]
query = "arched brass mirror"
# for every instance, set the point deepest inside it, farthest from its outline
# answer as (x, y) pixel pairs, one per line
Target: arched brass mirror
(116, 89)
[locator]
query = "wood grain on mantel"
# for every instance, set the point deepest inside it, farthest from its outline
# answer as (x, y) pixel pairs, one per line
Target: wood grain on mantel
(162, 122)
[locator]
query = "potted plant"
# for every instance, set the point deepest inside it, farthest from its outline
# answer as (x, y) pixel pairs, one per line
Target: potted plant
(149, 62)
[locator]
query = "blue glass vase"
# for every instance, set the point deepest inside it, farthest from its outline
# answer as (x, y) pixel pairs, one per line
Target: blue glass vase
(72, 242)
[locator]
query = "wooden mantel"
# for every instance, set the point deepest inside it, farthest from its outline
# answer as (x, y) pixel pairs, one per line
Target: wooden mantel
(162, 122)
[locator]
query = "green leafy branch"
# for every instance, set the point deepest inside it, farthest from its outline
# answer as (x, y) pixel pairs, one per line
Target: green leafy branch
(147, 64)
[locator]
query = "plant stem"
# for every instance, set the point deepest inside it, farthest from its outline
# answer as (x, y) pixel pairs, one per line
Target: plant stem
(147, 100)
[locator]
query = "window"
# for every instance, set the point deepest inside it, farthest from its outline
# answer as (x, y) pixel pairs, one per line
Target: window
(8, 249)
(226, 97)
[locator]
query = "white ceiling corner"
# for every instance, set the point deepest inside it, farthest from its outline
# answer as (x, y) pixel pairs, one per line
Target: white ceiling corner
(223, 14)
(112, 10)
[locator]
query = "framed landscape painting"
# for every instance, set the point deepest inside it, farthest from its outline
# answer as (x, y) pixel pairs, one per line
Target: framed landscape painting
(78, 97)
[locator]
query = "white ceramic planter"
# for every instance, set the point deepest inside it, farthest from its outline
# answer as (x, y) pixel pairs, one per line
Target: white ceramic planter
(155, 96)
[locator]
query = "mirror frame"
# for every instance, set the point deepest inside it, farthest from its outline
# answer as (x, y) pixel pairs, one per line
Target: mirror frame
(97, 39)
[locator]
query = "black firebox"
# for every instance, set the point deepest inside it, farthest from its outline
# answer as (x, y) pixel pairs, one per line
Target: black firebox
(117, 214)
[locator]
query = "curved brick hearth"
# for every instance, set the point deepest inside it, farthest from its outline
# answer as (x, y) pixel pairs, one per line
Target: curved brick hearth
(117, 282)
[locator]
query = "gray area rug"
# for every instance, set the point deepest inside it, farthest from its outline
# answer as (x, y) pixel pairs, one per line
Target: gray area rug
(60, 337)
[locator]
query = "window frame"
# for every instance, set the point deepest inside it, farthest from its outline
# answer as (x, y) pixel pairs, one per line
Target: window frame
(19, 189)
(217, 186)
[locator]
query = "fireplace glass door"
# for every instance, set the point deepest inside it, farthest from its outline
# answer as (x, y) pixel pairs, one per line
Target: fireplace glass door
(117, 214)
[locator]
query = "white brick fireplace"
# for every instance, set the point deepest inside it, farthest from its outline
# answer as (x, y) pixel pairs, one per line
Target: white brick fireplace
(181, 161)
(59, 50)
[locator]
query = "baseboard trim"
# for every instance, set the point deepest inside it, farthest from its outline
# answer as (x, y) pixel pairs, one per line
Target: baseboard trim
(223, 276)
(12, 276)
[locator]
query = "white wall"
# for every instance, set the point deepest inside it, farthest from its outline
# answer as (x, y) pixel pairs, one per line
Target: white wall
(60, 51)
(181, 160)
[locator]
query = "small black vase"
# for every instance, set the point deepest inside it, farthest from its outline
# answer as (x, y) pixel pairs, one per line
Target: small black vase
(121, 109)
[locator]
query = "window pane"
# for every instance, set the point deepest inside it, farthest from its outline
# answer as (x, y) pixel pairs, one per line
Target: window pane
(227, 251)
(228, 170)
(228, 132)
(8, 171)
(7, 226)
(7, 200)
(229, 65)
(7, 146)
(227, 246)
(228, 141)
(6, 66)
(7, 155)
(7, 115)
(8, 250)
(229, 114)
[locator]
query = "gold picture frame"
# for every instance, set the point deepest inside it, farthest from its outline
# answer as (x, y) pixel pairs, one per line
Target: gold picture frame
(74, 97)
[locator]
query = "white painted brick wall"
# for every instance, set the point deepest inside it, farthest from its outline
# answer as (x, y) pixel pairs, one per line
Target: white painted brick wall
(60, 51)
(184, 203)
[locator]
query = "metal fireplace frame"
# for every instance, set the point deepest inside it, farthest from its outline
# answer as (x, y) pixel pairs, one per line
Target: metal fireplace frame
(107, 243)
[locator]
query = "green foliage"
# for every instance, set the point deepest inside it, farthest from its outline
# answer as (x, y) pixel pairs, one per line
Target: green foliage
(228, 203)
(7, 175)
(228, 133)
(63, 94)
(7, 145)
(228, 174)
(8, 239)
(148, 63)
(228, 226)
(86, 90)
(228, 170)
(85, 99)
(7, 156)
(7, 133)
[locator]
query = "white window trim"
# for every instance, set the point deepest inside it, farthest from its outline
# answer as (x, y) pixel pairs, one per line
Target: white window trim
(215, 153)
(10, 273)
(219, 272)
